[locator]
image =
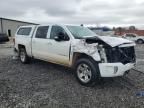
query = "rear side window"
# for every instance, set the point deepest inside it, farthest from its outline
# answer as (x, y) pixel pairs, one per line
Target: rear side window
(24, 31)
(42, 32)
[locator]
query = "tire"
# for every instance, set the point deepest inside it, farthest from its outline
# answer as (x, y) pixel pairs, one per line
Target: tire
(23, 56)
(87, 72)
(140, 41)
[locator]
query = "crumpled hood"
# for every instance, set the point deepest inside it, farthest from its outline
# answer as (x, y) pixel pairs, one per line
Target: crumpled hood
(114, 41)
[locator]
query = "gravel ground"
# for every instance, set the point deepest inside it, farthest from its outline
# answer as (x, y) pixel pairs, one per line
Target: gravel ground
(140, 57)
(45, 85)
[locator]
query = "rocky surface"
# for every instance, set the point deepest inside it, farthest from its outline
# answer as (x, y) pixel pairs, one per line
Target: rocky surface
(45, 85)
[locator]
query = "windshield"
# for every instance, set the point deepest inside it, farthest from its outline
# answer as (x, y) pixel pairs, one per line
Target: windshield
(80, 32)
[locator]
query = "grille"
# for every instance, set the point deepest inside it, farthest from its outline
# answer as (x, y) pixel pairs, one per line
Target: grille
(124, 55)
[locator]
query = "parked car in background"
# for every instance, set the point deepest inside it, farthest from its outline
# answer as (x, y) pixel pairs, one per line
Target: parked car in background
(134, 37)
(3, 38)
(90, 55)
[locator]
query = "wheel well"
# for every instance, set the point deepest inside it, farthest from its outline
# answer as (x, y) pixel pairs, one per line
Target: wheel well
(77, 56)
(140, 39)
(20, 46)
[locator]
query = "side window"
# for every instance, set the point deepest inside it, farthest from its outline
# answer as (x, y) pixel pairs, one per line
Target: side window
(133, 35)
(24, 31)
(129, 35)
(42, 32)
(56, 30)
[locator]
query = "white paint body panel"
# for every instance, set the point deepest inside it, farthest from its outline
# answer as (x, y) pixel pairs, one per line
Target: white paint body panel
(79, 45)
(107, 69)
(58, 52)
(25, 40)
(114, 41)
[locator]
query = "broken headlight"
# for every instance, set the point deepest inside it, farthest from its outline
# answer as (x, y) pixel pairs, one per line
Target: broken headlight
(102, 54)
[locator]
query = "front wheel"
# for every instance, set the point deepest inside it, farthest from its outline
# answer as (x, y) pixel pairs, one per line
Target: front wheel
(87, 71)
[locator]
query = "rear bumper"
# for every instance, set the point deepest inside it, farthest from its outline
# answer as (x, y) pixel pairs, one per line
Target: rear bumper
(114, 69)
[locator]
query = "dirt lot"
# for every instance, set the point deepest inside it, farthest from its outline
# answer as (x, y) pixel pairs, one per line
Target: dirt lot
(44, 85)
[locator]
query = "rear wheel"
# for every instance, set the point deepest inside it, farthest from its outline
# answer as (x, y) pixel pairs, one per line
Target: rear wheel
(140, 41)
(23, 56)
(87, 71)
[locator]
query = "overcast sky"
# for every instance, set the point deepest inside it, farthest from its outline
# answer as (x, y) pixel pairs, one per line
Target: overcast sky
(100, 12)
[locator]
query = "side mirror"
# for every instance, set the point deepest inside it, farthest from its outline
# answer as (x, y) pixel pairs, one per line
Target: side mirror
(61, 37)
(57, 38)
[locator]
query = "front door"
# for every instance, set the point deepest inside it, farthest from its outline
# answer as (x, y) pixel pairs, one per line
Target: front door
(59, 51)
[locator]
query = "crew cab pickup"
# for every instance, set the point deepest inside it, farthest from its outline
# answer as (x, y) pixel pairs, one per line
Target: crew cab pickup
(77, 47)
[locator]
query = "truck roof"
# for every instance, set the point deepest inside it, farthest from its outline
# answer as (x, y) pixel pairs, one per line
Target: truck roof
(50, 25)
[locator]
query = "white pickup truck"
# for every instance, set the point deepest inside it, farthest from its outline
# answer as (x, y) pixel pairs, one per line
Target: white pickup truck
(90, 55)
(134, 37)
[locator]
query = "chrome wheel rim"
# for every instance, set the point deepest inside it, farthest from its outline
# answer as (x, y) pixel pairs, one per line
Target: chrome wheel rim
(22, 56)
(84, 73)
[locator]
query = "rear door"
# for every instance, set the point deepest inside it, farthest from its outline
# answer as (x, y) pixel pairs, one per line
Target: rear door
(40, 42)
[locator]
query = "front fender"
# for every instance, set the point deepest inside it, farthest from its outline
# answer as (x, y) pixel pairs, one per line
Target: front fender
(88, 49)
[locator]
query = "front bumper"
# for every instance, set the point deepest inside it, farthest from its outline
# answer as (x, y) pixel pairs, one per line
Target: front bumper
(114, 69)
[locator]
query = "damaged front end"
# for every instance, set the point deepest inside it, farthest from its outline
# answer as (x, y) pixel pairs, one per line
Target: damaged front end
(112, 52)
(120, 54)
(114, 58)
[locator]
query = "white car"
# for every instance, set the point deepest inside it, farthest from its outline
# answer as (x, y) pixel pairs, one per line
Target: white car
(134, 37)
(77, 47)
